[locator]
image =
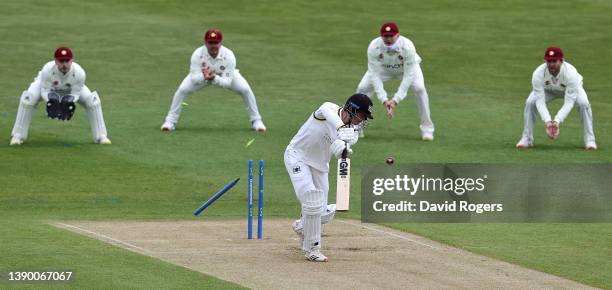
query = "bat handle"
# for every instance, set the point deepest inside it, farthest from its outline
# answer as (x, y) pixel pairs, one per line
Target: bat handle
(345, 151)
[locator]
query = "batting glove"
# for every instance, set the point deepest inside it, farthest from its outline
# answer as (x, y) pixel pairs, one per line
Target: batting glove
(346, 134)
(338, 147)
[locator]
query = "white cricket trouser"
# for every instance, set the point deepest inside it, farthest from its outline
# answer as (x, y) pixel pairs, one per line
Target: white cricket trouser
(32, 96)
(582, 101)
(418, 89)
(311, 188)
(238, 85)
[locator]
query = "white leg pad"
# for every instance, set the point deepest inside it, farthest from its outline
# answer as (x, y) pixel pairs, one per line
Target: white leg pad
(313, 205)
(329, 214)
(24, 116)
(95, 117)
(326, 217)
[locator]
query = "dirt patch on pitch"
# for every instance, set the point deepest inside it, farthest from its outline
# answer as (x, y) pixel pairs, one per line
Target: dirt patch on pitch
(362, 256)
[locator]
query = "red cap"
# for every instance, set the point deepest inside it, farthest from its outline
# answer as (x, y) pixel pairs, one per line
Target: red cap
(63, 53)
(553, 53)
(389, 29)
(213, 35)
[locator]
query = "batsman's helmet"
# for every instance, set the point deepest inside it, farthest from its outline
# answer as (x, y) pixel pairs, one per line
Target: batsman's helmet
(359, 103)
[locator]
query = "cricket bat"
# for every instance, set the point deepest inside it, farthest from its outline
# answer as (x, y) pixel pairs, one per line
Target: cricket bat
(343, 181)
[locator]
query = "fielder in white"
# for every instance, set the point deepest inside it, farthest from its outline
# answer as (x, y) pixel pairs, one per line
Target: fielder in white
(213, 64)
(60, 83)
(327, 131)
(556, 79)
(392, 56)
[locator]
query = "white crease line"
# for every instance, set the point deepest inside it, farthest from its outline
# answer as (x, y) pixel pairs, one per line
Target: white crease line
(388, 233)
(105, 237)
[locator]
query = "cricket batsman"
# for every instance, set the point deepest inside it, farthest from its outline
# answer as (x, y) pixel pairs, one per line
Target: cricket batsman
(392, 56)
(554, 79)
(326, 132)
(61, 84)
(213, 64)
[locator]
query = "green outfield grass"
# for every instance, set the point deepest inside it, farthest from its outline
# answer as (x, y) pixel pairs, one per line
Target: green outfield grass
(478, 57)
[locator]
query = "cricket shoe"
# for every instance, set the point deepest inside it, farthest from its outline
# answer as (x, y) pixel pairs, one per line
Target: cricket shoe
(104, 140)
(167, 127)
(524, 143)
(258, 126)
(315, 256)
(591, 146)
(16, 140)
(299, 230)
(427, 137)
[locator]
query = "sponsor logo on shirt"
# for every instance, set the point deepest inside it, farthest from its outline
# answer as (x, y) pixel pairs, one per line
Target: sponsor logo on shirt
(297, 169)
(393, 66)
(327, 138)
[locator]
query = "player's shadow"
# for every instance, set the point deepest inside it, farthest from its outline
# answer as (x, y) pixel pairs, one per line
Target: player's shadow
(557, 147)
(213, 129)
(55, 144)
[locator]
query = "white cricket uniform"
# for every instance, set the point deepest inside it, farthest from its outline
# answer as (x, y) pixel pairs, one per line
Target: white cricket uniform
(227, 76)
(399, 61)
(307, 162)
(50, 79)
(546, 87)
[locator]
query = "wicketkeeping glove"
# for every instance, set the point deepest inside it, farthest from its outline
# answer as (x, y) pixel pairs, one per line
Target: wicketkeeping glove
(53, 106)
(552, 129)
(67, 107)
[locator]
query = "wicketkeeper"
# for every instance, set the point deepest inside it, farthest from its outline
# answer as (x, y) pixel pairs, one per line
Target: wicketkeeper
(61, 84)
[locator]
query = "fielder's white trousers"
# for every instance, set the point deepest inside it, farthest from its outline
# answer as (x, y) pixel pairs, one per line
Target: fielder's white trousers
(582, 101)
(32, 96)
(311, 188)
(238, 85)
(417, 88)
